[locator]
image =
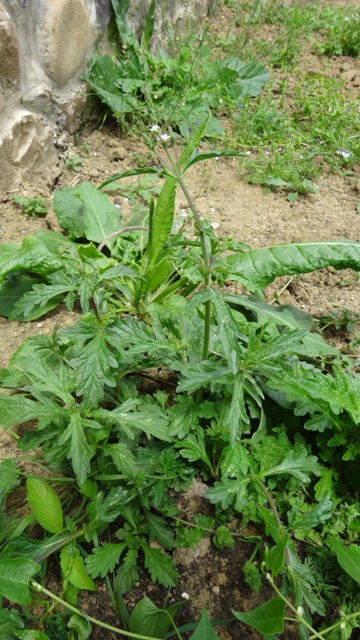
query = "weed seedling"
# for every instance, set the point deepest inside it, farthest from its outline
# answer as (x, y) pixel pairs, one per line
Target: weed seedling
(32, 207)
(74, 163)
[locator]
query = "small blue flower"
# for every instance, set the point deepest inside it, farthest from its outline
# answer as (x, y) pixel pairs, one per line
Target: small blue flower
(240, 106)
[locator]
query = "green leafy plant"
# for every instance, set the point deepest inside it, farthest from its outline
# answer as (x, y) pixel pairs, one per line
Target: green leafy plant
(170, 90)
(261, 407)
(32, 207)
(74, 163)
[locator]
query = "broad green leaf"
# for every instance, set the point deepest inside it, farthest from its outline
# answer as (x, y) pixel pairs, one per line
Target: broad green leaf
(83, 210)
(325, 485)
(80, 451)
(12, 292)
(252, 77)
(149, 418)
(235, 461)
(267, 619)
(101, 510)
(194, 448)
(31, 634)
(227, 330)
(237, 418)
(207, 374)
(162, 221)
(15, 410)
(316, 392)
(122, 457)
(285, 316)
(277, 455)
(69, 210)
(43, 377)
(257, 268)
(10, 622)
(183, 417)
(37, 300)
(148, 620)
(14, 577)
(81, 625)
(204, 630)
(102, 77)
(32, 256)
(104, 559)
(228, 492)
(94, 369)
(160, 566)
(159, 530)
(128, 572)
(311, 519)
(52, 240)
(72, 566)
(348, 558)
(45, 505)
(272, 526)
(9, 476)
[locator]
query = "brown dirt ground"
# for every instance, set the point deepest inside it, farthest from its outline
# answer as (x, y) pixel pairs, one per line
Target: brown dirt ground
(212, 578)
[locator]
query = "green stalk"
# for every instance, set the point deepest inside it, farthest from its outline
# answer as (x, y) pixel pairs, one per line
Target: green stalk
(39, 588)
(299, 617)
(205, 256)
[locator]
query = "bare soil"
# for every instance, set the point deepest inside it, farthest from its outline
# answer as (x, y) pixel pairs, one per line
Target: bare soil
(212, 578)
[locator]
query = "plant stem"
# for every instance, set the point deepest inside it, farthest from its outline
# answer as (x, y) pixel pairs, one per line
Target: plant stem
(39, 588)
(338, 623)
(207, 266)
(272, 504)
(118, 233)
(299, 617)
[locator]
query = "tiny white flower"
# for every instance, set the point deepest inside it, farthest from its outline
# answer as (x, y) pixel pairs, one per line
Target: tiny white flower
(268, 577)
(185, 595)
(155, 127)
(343, 625)
(300, 611)
(165, 137)
(344, 153)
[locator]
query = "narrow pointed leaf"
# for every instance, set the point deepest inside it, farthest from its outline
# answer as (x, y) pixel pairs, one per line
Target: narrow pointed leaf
(162, 221)
(72, 566)
(194, 141)
(130, 173)
(80, 451)
(204, 630)
(210, 155)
